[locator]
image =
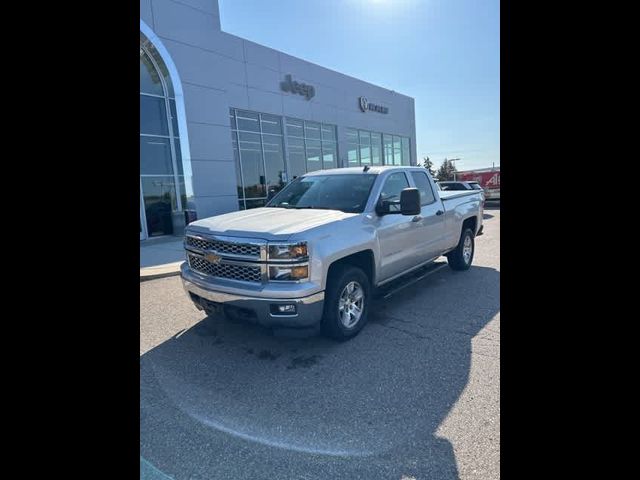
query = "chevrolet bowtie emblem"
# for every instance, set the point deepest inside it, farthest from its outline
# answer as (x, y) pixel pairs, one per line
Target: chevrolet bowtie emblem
(212, 258)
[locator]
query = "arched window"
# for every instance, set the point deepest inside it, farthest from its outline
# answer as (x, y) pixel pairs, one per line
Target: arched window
(162, 186)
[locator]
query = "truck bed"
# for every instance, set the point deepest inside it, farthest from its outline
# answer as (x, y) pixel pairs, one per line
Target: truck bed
(448, 195)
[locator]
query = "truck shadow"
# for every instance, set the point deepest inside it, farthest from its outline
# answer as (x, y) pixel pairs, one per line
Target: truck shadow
(224, 400)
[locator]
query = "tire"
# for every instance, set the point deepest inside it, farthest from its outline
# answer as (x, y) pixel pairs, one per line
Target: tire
(460, 259)
(335, 321)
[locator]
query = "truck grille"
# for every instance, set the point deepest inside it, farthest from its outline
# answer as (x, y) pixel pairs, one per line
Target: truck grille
(249, 273)
(244, 249)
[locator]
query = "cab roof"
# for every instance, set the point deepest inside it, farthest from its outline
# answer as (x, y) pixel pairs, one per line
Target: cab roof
(373, 169)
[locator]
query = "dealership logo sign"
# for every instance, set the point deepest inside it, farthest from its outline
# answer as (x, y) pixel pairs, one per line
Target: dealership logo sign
(292, 86)
(365, 105)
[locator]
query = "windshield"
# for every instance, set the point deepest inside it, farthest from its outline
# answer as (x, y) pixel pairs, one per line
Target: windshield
(347, 193)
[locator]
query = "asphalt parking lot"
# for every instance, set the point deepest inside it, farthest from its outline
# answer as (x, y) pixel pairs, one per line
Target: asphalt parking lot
(414, 396)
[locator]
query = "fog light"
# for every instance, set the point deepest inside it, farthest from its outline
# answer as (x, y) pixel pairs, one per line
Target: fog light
(283, 309)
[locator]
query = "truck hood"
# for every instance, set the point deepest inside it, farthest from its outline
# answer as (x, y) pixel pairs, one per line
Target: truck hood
(267, 223)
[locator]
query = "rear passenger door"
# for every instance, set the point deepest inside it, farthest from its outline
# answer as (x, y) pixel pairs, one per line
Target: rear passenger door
(431, 223)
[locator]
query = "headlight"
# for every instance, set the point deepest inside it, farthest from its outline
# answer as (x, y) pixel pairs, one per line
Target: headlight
(288, 273)
(287, 251)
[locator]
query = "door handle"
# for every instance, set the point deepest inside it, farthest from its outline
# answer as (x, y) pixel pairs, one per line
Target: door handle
(417, 218)
(439, 212)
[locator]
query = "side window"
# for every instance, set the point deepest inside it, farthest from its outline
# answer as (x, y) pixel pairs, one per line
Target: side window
(392, 188)
(424, 187)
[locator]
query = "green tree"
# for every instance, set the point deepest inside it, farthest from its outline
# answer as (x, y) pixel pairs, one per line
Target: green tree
(428, 164)
(446, 171)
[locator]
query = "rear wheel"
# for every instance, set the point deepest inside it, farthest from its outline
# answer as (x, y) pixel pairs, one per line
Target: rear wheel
(346, 304)
(462, 256)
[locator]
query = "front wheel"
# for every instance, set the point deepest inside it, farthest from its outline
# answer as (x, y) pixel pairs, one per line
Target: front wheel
(346, 304)
(462, 256)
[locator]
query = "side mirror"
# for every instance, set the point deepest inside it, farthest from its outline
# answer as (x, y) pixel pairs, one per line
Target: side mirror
(410, 201)
(382, 207)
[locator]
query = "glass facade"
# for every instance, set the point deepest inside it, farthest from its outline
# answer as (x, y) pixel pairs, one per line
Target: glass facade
(310, 146)
(374, 148)
(270, 150)
(162, 180)
(262, 168)
(258, 150)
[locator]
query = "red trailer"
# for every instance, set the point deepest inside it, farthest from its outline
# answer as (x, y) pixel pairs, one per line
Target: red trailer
(488, 178)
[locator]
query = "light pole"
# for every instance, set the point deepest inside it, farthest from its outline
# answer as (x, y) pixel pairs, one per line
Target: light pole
(454, 173)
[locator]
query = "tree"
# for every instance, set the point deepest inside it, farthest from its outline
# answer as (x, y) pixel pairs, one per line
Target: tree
(446, 171)
(428, 164)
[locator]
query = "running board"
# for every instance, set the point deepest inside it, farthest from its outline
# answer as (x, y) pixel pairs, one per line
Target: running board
(400, 284)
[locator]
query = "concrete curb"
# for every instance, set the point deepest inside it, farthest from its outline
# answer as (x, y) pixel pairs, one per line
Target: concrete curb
(160, 271)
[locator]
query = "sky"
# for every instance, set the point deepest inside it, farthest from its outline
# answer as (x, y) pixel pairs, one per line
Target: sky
(443, 53)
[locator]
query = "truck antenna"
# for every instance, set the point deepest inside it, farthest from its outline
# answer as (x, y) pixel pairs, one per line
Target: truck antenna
(366, 168)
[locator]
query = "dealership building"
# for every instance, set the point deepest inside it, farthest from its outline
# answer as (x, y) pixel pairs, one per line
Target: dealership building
(225, 122)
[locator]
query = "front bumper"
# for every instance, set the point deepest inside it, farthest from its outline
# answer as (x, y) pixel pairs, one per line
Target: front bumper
(253, 308)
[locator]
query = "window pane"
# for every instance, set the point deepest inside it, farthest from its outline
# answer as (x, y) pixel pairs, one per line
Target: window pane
(392, 188)
(352, 154)
(328, 132)
(274, 160)
(174, 117)
(149, 78)
(388, 149)
(376, 149)
(365, 155)
(352, 147)
(365, 150)
(153, 116)
(271, 124)
(155, 156)
(236, 157)
(295, 128)
(163, 71)
(313, 155)
(247, 121)
(250, 141)
(406, 158)
(424, 187)
(256, 203)
(159, 196)
(176, 144)
(397, 151)
(297, 162)
(329, 155)
(252, 165)
(312, 130)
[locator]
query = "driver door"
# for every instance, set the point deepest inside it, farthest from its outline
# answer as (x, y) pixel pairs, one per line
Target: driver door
(397, 235)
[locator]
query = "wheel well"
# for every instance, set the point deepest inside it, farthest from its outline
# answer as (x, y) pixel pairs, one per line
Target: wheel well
(362, 260)
(472, 223)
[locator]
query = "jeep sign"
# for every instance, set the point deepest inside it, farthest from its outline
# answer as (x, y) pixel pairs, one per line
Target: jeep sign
(289, 85)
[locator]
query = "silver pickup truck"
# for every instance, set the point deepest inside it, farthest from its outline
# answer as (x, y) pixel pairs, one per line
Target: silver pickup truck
(318, 251)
